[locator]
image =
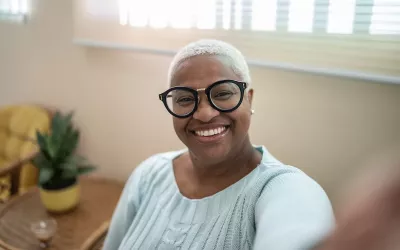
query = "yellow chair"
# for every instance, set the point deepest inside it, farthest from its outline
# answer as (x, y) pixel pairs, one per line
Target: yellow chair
(18, 125)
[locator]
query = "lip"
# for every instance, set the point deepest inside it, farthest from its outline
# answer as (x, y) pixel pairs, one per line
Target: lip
(207, 127)
(213, 138)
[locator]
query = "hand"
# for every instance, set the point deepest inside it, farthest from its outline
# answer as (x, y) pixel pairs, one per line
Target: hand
(370, 216)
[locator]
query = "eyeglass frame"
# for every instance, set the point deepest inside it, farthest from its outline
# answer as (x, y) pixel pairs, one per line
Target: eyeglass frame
(242, 87)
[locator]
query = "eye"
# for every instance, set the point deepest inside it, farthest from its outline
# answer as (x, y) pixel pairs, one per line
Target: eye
(223, 95)
(185, 100)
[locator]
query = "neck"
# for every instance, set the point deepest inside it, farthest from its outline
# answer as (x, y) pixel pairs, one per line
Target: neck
(238, 163)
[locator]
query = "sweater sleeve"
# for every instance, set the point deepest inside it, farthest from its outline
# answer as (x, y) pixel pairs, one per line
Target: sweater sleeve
(292, 213)
(125, 211)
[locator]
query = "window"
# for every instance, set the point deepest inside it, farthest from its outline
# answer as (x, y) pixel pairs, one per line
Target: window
(301, 16)
(385, 17)
(339, 16)
(264, 14)
(13, 10)
(357, 36)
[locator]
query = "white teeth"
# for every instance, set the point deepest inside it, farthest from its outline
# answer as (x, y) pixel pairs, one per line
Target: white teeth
(210, 132)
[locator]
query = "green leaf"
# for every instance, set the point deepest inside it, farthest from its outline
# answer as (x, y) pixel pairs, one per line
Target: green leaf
(45, 175)
(56, 123)
(86, 169)
(40, 161)
(70, 166)
(41, 140)
(68, 117)
(70, 143)
(70, 162)
(61, 126)
(79, 160)
(60, 122)
(73, 140)
(56, 134)
(69, 172)
(52, 150)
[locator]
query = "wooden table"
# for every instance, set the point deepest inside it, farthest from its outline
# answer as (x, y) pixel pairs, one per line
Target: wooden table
(76, 229)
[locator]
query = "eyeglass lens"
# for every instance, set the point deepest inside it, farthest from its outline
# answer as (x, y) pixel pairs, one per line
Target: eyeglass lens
(181, 102)
(224, 96)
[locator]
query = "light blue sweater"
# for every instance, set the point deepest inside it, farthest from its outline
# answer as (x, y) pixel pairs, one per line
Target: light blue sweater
(275, 207)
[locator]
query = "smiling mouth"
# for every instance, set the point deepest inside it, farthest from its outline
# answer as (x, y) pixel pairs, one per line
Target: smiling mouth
(210, 133)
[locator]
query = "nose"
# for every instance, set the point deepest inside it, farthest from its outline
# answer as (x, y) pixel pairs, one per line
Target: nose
(205, 112)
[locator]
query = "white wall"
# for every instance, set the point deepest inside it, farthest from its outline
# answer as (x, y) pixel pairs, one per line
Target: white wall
(323, 125)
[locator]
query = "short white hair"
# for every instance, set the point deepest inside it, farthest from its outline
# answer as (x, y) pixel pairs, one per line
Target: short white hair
(227, 52)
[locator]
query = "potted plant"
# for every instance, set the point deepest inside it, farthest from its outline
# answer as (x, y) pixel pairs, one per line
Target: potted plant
(59, 166)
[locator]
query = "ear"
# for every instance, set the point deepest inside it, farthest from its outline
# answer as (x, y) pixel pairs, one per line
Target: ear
(250, 94)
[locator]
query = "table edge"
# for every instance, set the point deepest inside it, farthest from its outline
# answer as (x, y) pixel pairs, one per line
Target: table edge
(95, 236)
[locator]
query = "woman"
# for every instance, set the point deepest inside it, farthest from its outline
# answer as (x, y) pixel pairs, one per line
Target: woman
(221, 192)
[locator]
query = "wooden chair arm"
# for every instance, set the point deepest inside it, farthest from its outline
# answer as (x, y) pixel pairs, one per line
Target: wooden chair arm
(16, 165)
(14, 170)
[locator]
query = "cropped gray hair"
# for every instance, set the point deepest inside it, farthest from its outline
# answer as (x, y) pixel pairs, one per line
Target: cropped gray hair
(228, 54)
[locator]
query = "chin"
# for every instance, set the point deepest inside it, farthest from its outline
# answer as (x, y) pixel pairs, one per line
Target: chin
(210, 153)
(213, 154)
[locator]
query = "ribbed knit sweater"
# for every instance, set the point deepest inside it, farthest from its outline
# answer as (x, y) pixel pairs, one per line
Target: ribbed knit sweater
(275, 207)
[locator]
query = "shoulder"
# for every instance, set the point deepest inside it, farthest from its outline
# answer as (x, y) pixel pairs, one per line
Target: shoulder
(281, 175)
(279, 179)
(155, 165)
(290, 181)
(293, 205)
(157, 162)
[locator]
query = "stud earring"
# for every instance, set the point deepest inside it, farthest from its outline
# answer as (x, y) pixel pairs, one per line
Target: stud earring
(252, 111)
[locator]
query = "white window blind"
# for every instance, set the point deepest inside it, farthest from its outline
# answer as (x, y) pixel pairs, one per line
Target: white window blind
(330, 16)
(340, 16)
(385, 18)
(358, 36)
(13, 10)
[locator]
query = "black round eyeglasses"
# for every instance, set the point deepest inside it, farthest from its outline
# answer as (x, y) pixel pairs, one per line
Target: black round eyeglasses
(224, 96)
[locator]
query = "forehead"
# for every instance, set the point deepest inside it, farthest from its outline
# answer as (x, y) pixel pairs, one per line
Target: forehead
(201, 72)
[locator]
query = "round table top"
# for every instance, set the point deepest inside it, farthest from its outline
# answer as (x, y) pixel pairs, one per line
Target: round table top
(97, 203)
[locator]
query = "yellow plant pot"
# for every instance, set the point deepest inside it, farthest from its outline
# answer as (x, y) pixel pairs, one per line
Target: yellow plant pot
(62, 200)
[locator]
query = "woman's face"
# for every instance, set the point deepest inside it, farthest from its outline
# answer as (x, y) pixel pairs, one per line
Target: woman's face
(230, 130)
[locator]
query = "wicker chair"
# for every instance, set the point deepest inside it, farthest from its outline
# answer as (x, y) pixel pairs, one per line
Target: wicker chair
(18, 125)
(14, 171)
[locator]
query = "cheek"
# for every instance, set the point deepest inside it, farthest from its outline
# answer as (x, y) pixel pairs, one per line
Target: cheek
(244, 115)
(245, 122)
(179, 125)
(241, 118)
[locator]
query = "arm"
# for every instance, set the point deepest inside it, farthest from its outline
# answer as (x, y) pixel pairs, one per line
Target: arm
(124, 212)
(292, 213)
(368, 215)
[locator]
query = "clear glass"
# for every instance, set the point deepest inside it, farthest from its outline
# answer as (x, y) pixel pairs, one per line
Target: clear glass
(44, 230)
